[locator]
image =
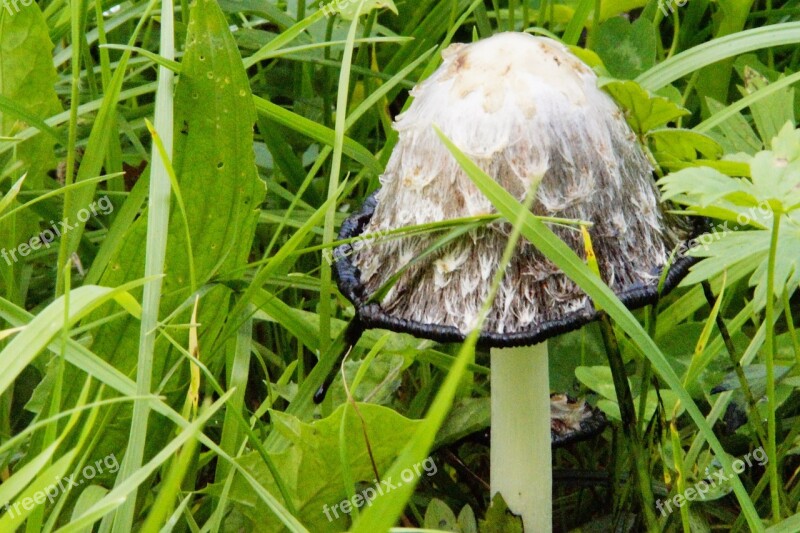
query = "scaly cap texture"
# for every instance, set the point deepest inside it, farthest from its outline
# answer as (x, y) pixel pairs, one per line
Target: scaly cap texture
(523, 108)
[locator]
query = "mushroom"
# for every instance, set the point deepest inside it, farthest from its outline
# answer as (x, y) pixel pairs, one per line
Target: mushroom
(529, 113)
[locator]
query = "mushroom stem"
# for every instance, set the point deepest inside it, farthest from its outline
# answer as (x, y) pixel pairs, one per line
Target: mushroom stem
(521, 465)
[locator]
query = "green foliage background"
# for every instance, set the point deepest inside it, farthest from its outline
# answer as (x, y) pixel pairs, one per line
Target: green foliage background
(185, 331)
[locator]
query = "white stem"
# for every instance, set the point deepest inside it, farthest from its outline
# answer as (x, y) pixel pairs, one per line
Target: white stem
(521, 464)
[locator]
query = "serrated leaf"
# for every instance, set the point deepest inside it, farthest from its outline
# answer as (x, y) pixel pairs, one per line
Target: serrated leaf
(643, 111)
(704, 186)
(684, 144)
(776, 173)
(734, 134)
(215, 169)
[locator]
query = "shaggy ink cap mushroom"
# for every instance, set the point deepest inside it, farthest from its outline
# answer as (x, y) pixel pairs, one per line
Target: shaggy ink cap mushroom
(530, 114)
(523, 108)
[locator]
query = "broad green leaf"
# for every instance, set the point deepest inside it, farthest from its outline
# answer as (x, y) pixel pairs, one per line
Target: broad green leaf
(702, 187)
(666, 397)
(788, 525)
(467, 416)
(776, 173)
(756, 377)
(439, 516)
(598, 379)
(215, 169)
(466, 520)
(683, 144)
(28, 78)
(627, 49)
(27, 84)
(312, 471)
(643, 111)
(382, 378)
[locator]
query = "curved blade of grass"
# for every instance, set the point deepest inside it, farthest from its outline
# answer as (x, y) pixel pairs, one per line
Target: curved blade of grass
(120, 493)
(13, 520)
(721, 116)
(155, 258)
(284, 38)
(48, 323)
(173, 180)
(12, 193)
(565, 258)
(174, 66)
(699, 56)
(318, 132)
(90, 363)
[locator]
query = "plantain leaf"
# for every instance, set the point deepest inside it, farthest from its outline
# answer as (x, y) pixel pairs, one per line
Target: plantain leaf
(216, 173)
(27, 83)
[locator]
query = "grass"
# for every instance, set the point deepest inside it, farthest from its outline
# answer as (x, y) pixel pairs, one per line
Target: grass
(185, 332)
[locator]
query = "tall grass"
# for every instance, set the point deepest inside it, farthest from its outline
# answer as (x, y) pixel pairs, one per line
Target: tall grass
(185, 331)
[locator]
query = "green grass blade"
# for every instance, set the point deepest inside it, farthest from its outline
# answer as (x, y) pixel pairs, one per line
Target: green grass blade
(699, 56)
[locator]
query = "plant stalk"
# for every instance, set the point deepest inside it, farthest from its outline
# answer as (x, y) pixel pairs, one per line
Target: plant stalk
(774, 482)
(629, 426)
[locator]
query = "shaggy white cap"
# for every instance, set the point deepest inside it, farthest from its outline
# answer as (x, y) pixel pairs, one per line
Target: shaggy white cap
(521, 107)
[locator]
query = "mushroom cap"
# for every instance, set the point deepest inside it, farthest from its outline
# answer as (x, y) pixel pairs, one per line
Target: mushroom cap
(524, 109)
